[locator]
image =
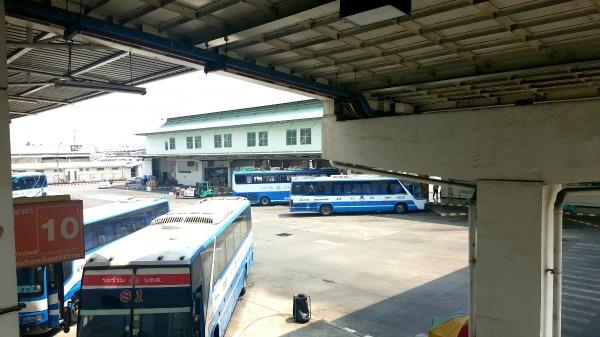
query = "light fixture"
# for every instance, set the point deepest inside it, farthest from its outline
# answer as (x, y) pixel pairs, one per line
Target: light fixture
(365, 13)
(101, 86)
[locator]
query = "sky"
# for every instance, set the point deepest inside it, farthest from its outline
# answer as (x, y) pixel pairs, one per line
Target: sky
(112, 120)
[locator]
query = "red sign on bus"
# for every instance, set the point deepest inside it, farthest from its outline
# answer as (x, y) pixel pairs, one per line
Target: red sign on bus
(47, 233)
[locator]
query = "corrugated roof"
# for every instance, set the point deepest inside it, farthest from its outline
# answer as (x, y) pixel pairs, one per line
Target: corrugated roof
(308, 109)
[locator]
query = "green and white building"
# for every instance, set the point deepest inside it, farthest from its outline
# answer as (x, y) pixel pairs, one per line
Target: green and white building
(211, 146)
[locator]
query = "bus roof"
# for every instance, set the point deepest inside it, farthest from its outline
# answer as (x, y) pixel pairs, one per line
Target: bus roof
(329, 169)
(357, 177)
(174, 238)
(99, 213)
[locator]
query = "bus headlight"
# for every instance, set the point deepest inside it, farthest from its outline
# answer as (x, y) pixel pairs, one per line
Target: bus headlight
(36, 318)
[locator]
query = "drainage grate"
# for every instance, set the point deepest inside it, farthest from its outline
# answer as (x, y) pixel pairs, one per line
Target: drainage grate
(283, 234)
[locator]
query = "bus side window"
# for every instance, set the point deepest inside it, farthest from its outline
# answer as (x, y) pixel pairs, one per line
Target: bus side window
(237, 232)
(67, 269)
(248, 179)
(297, 188)
(207, 258)
(220, 258)
(240, 179)
(356, 188)
(324, 188)
(337, 188)
(230, 243)
(347, 186)
(396, 188)
(366, 187)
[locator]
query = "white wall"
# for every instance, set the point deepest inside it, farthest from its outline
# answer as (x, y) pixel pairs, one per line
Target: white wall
(146, 169)
(88, 174)
(155, 143)
(188, 175)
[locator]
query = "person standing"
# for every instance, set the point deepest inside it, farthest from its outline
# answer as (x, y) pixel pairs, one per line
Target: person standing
(436, 193)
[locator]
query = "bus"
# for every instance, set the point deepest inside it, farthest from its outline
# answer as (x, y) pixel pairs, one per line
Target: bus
(179, 277)
(29, 184)
(43, 289)
(359, 193)
(269, 187)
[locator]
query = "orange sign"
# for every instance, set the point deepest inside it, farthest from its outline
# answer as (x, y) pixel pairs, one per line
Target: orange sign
(47, 233)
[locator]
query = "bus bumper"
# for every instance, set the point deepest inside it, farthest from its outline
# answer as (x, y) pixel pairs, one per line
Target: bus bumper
(33, 323)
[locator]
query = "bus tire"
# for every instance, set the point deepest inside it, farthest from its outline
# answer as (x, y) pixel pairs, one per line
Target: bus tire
(326, 210)
(400, 208)
(245, 284)
(265, 201)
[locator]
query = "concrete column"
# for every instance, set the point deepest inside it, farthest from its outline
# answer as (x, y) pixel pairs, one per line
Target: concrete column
(9, 323)
(229, 174)
(514, 250)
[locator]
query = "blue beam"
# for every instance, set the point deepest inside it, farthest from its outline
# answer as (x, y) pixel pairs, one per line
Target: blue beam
(75, 23)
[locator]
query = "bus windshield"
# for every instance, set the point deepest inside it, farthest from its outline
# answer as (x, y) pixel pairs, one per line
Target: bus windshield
(30, 281)
(177, 324)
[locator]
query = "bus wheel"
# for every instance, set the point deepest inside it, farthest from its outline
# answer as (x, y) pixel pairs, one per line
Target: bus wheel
(326, 210)
(400, 208)
(245, 285)
(264, 201)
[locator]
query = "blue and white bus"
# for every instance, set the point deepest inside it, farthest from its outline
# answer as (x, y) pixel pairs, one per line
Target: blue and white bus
(29, 184)
(267, 187)
(42, 289)
(341, 194)
(179, 277)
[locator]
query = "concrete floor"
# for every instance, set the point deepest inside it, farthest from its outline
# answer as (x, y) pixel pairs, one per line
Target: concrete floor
(374, 274)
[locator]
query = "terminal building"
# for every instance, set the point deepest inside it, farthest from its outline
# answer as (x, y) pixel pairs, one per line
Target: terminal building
(73, 163)
(210, 146)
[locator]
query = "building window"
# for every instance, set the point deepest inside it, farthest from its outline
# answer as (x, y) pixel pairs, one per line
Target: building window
(227, 140)
(166, 145)
(290, 137)
(198, 142)
(172, 143)
(263, 138)
(305, 136)
(218, 141)
(251, 139)
(190, 142)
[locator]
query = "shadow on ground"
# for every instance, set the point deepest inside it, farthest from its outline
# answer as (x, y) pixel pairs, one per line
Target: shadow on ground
(406, 314)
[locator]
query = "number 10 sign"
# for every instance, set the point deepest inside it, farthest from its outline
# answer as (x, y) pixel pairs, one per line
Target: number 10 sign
(48, 233)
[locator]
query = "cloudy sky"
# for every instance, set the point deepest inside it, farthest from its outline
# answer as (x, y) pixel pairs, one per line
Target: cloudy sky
(113, 119)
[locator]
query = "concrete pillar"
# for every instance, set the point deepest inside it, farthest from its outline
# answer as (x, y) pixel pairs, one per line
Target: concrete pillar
(9, 323)
(514, 250)
(229, 174)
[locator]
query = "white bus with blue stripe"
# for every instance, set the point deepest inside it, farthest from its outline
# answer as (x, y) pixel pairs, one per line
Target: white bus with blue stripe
(29, 184)
(179, 277)
(42, 289)
(357, 193)
(271, 187)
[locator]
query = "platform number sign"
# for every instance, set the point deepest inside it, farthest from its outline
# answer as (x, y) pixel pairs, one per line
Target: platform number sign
(48, 233)
(69, 228)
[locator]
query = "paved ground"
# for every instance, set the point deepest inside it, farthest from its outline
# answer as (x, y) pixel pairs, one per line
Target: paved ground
(377, 275)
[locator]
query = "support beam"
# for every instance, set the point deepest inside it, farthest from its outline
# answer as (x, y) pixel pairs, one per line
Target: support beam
(100, 63)
(551, 142)
(9, 322)
(63, 46)
(24, 50)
